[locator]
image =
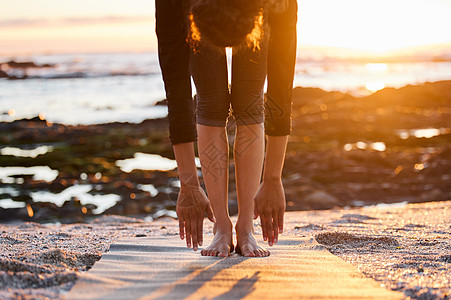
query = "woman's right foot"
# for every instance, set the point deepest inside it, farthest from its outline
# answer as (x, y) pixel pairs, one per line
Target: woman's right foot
(222, 245)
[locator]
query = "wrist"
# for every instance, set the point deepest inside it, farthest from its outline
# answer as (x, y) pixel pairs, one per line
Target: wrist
(189, 179)
(272, 177)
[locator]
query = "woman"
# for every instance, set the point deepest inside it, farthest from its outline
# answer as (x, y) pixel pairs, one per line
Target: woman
(221, 23)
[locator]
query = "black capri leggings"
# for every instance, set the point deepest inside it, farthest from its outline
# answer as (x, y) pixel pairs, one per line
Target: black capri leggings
(244, 99)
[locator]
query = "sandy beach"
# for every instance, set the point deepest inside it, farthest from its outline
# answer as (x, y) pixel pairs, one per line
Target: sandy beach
(405, 248)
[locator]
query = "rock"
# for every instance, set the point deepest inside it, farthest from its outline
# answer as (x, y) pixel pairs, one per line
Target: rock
(309, 227)
(432, 195)
(26, 64)
(358, 217)
(114, 220)
(352, 240)
(21, 65)
(445, 258)
(13, 214)
(321, 200)
(132, 208)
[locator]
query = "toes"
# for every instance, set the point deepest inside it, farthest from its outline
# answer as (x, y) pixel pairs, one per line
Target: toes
(223, 254)
(252, 251)
(264, 252)
(220, 250)
(250, 254)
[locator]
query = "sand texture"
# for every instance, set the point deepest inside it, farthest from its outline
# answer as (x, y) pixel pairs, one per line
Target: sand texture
(404, 248)
(158, 268)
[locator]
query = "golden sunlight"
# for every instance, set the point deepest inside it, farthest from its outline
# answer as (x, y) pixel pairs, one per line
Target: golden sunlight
(374, 86)
(347, 28)
(376, 28)
(30, 211)
(253, 38)
(194, 34)
(376, 67)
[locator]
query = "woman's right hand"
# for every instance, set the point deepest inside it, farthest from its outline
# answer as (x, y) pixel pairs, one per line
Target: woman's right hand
(192, 204)
(270, 206)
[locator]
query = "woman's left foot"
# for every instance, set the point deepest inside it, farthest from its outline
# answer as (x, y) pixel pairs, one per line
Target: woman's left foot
(247, 244)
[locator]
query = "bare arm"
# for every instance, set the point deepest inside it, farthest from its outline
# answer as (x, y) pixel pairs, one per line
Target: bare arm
(184, 155)
(270, 198)
(192, 203)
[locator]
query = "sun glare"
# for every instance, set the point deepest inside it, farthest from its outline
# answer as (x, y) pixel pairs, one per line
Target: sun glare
(355, 26)
(374, 86)
(376, 67)
(374, 28)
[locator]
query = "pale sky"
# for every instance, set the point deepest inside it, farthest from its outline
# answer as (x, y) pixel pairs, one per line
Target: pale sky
(375, 27)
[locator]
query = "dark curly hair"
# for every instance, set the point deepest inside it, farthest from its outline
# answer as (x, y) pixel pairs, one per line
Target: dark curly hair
(229, 23)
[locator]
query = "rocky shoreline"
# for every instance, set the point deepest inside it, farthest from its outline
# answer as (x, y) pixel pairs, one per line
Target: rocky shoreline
(392, 146)
(21, 67)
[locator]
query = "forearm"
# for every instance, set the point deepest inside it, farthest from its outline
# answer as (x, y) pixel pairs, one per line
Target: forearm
(184, 155)
(275, 157)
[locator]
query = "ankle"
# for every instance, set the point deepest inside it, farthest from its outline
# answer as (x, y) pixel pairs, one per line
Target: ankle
(223, 226)
(244, 225)
(245, 217)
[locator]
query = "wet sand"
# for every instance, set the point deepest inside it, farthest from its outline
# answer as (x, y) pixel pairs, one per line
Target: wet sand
(406, 248)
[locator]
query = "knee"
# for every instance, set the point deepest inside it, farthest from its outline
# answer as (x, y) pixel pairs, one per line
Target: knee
(249, 112)
(212, 111)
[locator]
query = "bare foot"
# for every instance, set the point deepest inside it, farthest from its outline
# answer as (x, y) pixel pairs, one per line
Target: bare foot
(222, 244)
(247, 244)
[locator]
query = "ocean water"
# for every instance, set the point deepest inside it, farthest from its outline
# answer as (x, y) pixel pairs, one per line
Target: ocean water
(123, 87)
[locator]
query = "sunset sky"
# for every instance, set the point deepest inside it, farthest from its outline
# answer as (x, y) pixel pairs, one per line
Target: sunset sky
(353, 26)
